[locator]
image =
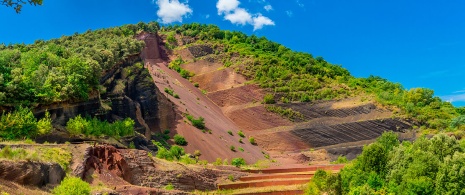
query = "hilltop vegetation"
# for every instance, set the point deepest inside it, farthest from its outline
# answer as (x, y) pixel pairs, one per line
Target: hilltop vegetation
(64, 69)
(426, 166)
(296, 76)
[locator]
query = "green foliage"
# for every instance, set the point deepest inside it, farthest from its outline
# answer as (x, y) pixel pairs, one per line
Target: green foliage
(427, 166)
(232, 148)
(95, 127)
(288, 113)
(169, 187)
(238, 162)
(18, 4)
(269, 99)
(340, 160)
(40, 154)
(21, 124)
(218, 162)
(72, 185)
(176, 65)
(132, 146)
(252, 140)
(44, 125)
(171, 92)
(180, 140)
(230, 133)
(198, 123)
(241, 134)
(174, 152)
(324, 183)
(64, 69)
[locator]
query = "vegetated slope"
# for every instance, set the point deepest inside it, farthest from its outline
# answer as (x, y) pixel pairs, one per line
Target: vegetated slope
(212, 138)
(308, 101)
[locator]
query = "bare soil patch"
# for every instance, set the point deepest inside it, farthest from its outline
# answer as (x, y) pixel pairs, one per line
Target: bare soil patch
(220, 79)
(257, 118)
(237, 95)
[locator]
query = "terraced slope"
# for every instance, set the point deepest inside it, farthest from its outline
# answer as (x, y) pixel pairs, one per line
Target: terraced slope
(323, 123)
(288, 180)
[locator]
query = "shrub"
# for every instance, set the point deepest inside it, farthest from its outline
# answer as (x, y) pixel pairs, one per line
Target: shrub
(238, 162)
(72, 185)
(197, 153)
(269, 99)
(169, 187)
(198, 123)
(232, 148)
(95, 127)
(240, 133)
(230, 133)
(218, 162)
(179, 140)
(241, 149)
(240, 141)
(21, 124)
(252, 141)
(44, 125)
(341, 160)
(169, 91)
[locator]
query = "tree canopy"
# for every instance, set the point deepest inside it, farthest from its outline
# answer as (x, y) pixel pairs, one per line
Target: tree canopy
(18, 4)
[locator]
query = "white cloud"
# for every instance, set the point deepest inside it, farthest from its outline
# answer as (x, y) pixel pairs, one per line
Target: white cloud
(226, 6)
(172, 10)
(299, 3)
(454, 98)
(289, 13)
(239, 16)
(260, 21)
(268, 8)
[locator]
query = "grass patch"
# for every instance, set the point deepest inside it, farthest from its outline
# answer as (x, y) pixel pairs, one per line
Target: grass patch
(39, 154)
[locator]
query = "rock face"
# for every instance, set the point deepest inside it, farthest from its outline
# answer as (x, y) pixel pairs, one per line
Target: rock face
(105, 158)
(186, 178)
(137, 168)
(127, 91)
(31, 173)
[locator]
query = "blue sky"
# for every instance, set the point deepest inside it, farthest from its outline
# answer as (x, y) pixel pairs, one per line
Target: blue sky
(417, 43)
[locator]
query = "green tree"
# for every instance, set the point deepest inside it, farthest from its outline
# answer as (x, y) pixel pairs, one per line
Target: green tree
(451, 175)
(18, 4)
(72, 185)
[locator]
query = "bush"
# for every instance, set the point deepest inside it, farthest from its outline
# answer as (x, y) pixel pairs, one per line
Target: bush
(21, 124)
(95, 127)
(174, 153)
(238, 162)
(179, 140)
(198, 123)
(269, 99)
(230, 133)
(252, 141)
(340, 160)
(72, 185)
(232, 148)
(240, 133)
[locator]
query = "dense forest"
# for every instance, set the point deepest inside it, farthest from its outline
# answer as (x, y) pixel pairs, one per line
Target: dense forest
(426, 166)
